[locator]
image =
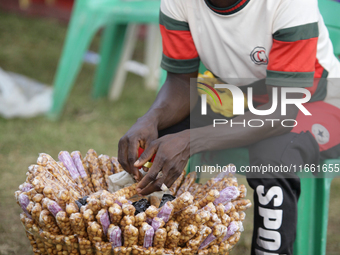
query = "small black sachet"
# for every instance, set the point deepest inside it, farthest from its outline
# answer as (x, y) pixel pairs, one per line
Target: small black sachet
(166, 198)
(141, 205)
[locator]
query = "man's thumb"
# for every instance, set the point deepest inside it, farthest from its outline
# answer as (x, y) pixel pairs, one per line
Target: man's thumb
(145, 156)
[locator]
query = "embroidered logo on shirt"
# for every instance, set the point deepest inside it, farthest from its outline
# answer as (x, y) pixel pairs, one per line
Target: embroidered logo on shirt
(258, 56)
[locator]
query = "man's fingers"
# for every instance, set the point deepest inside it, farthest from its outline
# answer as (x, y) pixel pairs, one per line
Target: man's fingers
(123, 153)
(127, 155)
(153, 187)
(171, 178)
(151, 176)
(148, 178)
(146, 156)
(132, 157)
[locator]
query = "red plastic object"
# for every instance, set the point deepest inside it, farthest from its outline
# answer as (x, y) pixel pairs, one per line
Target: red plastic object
(141, 150)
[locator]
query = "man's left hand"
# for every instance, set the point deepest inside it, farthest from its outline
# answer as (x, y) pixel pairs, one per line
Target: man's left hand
(172, 153)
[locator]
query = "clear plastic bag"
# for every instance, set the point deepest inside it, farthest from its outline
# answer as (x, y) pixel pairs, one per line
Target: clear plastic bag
(172, 239)
(83, 171)
(64, 223)
(151, 212)
(183, 216)
(130, 235)
(53, 207)
(107, 199)
(146, 233)
(187, 233)
(202, 233)
(128, 209)
(182, 201)
(23, 97)
(116, 166)
(106, 167)
(188, 181)
(103, 219)
(219, 231)
(140, 219)
(97, 177)
(166, 212)
(25, 187)
(85, 246)
(24, 201)
(95, 232)
(67, 161)
(157, 223)
(72, 245)
(211, 196)
(176, 185)
(116, 214)
(78, 225)
(227, 195)
(127, 220)
(160, 238)
(114, 235)
(103, 248)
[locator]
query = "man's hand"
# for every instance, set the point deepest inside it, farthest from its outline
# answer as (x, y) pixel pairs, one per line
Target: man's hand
(141, 134)
(171, 106)
(172, 153)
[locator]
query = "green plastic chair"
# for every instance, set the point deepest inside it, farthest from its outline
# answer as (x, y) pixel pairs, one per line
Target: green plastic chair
(312, 206)
(88, 16)
(330, 12)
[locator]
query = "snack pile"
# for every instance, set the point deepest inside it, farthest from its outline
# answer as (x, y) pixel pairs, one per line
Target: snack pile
(67, 209)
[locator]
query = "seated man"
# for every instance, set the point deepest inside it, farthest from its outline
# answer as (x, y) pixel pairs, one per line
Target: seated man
(283, 42)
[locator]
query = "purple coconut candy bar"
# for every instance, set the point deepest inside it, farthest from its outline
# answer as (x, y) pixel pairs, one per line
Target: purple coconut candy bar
(230, 169)
(105, 221)
(118, 203)
(78, 163)
(232, 229)
(53, 207)
(156, 223)
(65, 157)
(25, 187)
(115, 237)
(207, 241)
(165, 212)
(228, 194)
(24, 201)
(228, 206)
(148, 238)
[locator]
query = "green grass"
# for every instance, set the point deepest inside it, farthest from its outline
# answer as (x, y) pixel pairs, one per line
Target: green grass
(32, 47)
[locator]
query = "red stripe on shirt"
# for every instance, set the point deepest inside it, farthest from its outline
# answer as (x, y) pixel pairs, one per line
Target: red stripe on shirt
(317, 75)
(296, 56)
(178, 44)
(318, 69)
(263, 99)
(231, 9)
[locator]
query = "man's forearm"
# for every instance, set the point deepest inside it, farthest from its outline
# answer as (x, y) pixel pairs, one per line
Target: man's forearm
(239, 135)
(173, 101)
